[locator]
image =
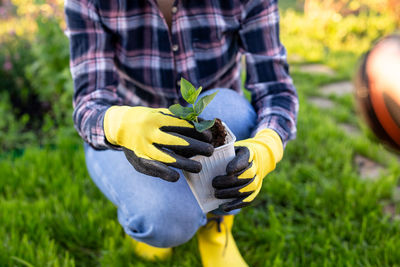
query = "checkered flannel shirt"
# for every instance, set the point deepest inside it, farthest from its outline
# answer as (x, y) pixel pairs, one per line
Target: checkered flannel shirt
(122, 53)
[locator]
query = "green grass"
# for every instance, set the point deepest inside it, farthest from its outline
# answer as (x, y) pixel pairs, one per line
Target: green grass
(314, 210)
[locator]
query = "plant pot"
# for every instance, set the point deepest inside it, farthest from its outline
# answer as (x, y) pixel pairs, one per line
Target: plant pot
(201, 183)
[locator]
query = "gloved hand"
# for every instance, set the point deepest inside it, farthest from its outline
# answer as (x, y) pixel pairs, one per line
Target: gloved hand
(255, 158)
(154, 139)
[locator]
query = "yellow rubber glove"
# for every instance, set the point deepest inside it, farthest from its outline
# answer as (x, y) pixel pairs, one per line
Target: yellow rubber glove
(255, 158)
(154, 139)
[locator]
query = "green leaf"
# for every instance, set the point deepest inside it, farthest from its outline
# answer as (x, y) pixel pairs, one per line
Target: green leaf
(203, 125)
(194, 97)
(203, 102)
(189, 92)
(185, 113)
(191, 117)
(179, 111)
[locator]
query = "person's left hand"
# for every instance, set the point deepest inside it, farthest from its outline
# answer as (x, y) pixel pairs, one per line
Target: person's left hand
(255, 158)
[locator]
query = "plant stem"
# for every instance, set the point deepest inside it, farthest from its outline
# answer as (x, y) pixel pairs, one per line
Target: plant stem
(194, 110)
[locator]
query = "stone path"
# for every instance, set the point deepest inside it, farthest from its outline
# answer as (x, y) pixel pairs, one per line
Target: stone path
(317, 69)
(339, 88)
(367, 168)
(294, 58)
(350, 129)
(396, 195)
(390, 209)
(320, 102)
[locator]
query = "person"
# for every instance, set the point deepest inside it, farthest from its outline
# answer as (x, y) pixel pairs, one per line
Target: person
(127, 58)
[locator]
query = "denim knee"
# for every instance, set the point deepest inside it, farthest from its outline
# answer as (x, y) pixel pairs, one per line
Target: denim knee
(162, 226)
(233, 109)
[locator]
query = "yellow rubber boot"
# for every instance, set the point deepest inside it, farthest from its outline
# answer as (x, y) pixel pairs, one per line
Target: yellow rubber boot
(216, 244)
(150, 253)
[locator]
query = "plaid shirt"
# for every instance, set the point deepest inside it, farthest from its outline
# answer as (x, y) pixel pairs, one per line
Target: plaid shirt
(122, 53)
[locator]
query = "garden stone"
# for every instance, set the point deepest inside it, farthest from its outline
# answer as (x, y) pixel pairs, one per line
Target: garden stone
(390, 209)
(396, 195)
(295, 58)
(367, 168)
(321, 102)
(350, 129)
(317, 69)
(338, 89)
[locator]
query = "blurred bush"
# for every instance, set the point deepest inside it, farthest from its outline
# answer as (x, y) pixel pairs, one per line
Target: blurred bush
(14, 133)
(35, 84)
(353, 7)
(16, 94)
(50, 76)
(317, 35)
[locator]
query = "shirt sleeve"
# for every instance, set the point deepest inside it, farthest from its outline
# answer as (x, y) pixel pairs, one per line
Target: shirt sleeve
(273, 94)
(93, 70)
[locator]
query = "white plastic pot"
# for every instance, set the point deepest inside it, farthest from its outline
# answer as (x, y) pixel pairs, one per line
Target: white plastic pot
(201, 183)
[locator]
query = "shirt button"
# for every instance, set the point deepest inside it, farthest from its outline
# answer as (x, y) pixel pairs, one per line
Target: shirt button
(174, 9)
(175, 48)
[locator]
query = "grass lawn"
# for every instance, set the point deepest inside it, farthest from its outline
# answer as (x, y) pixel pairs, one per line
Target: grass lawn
(314, 209)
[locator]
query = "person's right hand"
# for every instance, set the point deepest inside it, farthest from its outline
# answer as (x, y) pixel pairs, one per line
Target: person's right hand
(154, 139)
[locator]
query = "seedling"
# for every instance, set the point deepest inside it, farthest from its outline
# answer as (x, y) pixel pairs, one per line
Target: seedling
(191, 113)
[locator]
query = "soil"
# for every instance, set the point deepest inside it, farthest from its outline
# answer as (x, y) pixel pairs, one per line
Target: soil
(218, 133)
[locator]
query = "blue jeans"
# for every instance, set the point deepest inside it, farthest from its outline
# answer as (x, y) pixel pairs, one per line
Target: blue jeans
(154, 211)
